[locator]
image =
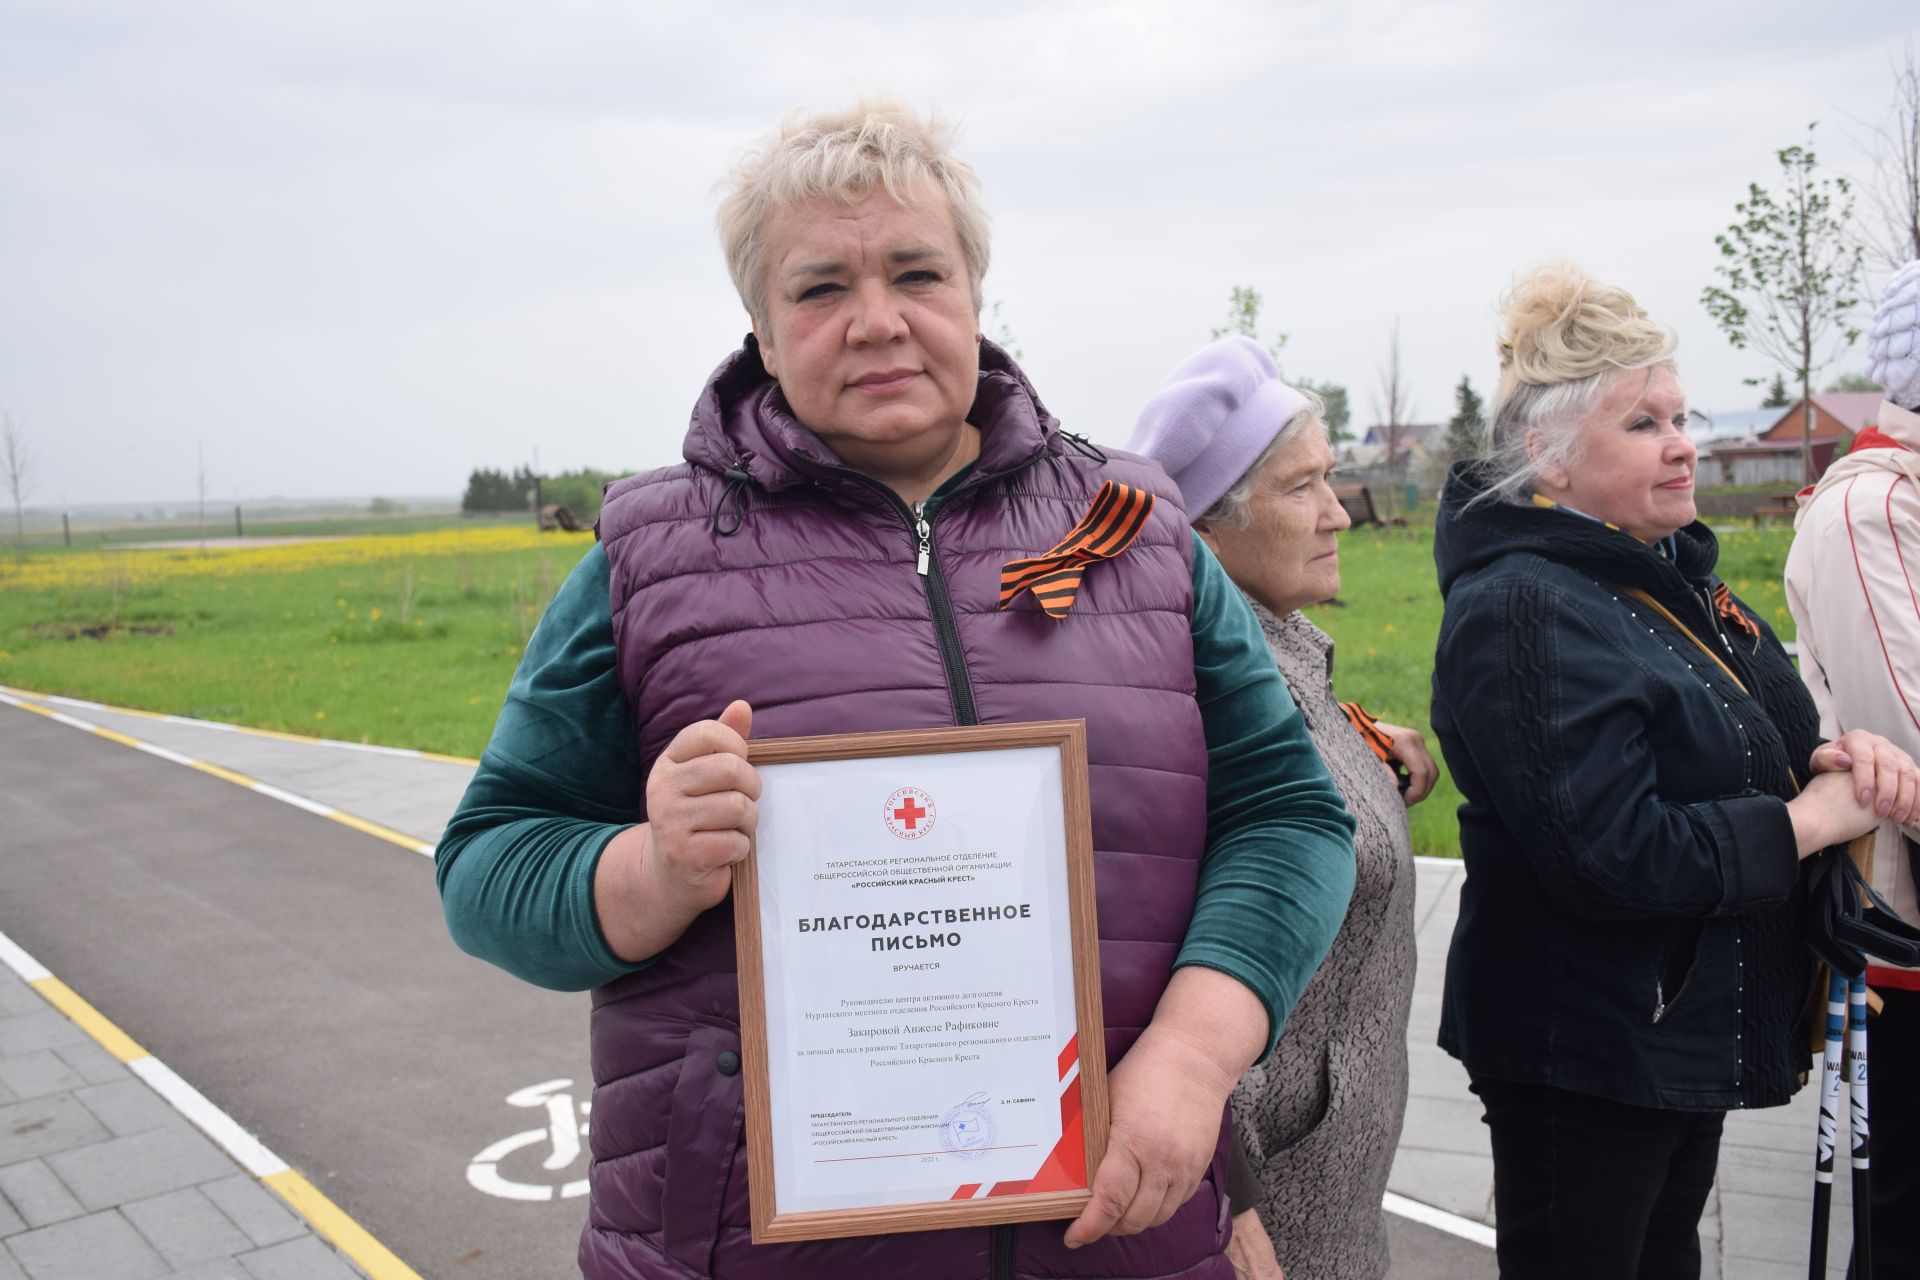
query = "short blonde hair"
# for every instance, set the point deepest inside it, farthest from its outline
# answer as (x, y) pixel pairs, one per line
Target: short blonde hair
(845, 155)
(1566, 335)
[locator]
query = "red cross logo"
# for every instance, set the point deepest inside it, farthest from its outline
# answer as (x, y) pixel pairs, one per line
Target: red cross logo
(908, 813)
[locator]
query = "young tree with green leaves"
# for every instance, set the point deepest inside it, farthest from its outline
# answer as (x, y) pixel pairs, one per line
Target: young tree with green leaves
(1467, 428)
(1790, 269)
(1778, 397)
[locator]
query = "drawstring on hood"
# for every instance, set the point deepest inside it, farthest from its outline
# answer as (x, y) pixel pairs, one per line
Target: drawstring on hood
(734, 495)
(1085, 447)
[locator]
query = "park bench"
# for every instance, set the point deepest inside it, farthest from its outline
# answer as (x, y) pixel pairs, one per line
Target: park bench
(1778, 506)
(1357, 499)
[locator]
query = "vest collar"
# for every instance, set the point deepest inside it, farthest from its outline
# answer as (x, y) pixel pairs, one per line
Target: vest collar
(742, 422)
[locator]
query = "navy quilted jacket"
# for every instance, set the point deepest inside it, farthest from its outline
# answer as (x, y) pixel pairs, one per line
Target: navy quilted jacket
(1629, 922)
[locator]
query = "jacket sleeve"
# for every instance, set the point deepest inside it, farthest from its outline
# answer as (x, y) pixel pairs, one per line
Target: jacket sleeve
(1852, 584)
(1278, 870)
(559, 779)
(1554, 715)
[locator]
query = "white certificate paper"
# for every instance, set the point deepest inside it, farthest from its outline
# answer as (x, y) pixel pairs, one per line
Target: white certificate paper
(920, 1017)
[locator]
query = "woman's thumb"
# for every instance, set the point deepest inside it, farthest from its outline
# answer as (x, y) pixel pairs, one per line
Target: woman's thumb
(738, 717)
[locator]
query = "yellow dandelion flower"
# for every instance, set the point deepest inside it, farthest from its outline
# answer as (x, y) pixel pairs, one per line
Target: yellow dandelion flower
(373, 615)
(319, 715)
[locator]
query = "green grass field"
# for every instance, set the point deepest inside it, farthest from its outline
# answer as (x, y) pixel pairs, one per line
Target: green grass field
(412, 639)
(412, 648)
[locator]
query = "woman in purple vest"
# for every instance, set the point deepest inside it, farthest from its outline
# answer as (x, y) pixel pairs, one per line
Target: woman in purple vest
(1318, 1122)
(827, 559)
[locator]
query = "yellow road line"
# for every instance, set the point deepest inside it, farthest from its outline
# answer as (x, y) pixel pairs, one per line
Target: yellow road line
(113, 736)
(323, 1215)
(227, 775)
(378, 831)
(438, 758)
(331, 1221)
(89, 1019)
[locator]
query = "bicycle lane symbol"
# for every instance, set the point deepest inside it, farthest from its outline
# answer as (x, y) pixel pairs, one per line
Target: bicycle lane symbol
(564, 1129)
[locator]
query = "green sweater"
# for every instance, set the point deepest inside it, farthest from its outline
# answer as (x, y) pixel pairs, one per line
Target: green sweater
(561, 777)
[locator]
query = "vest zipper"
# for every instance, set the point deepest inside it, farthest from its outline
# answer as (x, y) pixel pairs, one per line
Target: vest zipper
(1002, 1246)
(945, 629)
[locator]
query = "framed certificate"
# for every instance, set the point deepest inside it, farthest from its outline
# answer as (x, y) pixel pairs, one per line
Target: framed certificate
(920, 982)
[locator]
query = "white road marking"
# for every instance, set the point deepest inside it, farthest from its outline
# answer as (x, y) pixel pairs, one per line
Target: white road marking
(152, 750)
(298, 802)
(29, 969)
(341, 816)
(252, 1154)
(162, 1079)
(1439, 1219)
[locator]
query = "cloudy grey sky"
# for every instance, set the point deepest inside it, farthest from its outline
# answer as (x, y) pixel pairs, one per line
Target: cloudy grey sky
(364, 246)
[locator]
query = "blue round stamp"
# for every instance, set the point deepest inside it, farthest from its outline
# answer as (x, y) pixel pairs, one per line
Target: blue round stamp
(968, 1130)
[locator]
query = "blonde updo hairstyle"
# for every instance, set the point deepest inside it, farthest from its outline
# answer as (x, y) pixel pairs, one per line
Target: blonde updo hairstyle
(1566, 335)
(845, 155)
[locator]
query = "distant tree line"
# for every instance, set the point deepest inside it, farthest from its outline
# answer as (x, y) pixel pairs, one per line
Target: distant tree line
(489, 490)
(578, 491)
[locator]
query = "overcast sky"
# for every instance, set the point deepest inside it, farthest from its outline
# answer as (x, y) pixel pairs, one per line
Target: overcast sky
(364, 246)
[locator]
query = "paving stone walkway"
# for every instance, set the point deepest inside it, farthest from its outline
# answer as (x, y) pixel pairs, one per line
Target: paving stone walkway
(1757, 1220)
(101, 1179)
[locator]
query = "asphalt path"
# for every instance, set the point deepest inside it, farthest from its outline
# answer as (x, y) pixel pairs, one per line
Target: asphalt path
(299, 974)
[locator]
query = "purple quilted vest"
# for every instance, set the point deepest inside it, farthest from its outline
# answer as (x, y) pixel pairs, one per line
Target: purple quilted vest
(763, 569)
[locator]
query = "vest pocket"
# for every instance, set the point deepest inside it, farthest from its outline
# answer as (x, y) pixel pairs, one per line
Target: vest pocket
(703, 1139)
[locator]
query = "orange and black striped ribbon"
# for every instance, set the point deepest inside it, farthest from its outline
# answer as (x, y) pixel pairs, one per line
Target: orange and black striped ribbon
(1118, 514)
(1723, 602)
(1368, 728)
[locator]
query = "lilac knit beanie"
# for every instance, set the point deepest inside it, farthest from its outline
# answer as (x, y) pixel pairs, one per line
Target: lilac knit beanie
(1213, 415)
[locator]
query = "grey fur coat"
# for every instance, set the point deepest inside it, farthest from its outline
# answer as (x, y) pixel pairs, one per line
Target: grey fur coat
(1320, 1118)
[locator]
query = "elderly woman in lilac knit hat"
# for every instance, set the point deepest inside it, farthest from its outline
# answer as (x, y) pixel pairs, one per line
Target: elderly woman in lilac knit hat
(1317, 1123)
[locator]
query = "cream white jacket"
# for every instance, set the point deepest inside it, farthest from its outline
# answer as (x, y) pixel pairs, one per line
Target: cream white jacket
(1853, 584)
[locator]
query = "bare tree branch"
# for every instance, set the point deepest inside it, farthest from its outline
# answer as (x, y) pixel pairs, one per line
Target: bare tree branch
(17, 466)
(1391, 404)
(1892, 234)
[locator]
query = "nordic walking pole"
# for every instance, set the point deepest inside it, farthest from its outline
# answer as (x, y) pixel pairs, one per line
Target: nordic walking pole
(1829, 1109)
(1862, 1132)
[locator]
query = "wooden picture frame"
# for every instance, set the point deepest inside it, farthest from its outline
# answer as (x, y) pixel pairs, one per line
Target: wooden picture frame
(1083, 1100)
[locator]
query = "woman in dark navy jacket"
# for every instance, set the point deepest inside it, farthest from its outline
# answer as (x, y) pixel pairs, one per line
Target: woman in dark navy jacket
(1642, 775)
